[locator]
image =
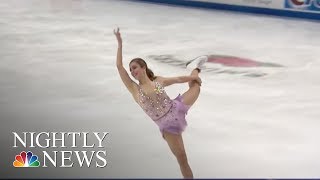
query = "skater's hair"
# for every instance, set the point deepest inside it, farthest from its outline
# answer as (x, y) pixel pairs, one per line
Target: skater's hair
(142, 64)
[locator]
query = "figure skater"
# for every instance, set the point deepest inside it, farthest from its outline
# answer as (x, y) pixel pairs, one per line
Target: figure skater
(168, 114)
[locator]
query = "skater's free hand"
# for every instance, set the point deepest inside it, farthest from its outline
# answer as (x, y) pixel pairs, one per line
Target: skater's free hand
(116, 32)
(197, 79)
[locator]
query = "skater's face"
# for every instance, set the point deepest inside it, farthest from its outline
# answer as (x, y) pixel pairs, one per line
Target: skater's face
(136, 70)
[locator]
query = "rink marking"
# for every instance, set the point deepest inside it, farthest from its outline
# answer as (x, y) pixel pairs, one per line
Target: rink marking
(219, 67)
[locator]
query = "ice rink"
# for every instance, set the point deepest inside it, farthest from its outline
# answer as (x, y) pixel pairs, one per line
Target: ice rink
(58, 73)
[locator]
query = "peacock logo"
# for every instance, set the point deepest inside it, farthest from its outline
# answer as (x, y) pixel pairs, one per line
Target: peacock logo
(303, 4)
(26, 160)
(298, 2)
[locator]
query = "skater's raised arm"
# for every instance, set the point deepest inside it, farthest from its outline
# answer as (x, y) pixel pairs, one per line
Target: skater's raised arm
(129, 83)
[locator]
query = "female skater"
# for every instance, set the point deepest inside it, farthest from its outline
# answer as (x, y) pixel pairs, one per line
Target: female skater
(168, 114)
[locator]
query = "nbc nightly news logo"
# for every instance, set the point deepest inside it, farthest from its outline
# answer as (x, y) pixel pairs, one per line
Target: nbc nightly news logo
(46, 140)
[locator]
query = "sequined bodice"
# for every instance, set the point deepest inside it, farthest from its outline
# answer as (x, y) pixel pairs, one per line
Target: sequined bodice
(157, 106)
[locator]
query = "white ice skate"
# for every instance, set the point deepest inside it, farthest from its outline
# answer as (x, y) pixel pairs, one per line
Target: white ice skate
(197, 63)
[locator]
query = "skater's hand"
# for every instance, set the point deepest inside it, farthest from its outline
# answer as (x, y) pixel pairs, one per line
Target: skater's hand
(197, 79)
(118, 35)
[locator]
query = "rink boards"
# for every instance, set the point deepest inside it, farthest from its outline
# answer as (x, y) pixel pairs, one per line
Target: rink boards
(309, 9)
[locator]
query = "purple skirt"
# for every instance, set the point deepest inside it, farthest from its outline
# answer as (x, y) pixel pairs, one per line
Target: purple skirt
(175, 120)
